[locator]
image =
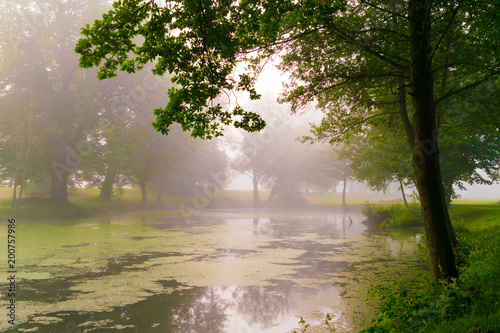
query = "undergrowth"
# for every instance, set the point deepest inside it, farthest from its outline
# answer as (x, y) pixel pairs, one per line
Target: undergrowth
(395, 215)
(470, 304)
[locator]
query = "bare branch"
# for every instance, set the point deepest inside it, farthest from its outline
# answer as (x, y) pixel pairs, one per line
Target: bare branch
(444, 32)
(384, 10)
(285, 41)
(469, 86)
(368, 50)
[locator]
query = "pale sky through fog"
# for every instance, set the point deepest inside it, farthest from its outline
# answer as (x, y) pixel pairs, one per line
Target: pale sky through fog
(271, 80)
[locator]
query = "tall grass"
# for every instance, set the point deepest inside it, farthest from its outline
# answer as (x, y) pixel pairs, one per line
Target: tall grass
(469, 304)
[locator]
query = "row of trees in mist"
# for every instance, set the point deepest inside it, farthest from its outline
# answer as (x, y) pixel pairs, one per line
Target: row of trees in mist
(61, 127)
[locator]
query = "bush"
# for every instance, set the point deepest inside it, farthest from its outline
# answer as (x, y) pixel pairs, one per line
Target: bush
(468, 305)
(404, 216)
(396, 215)
(373, 211)
(406, 308)
(481, 274)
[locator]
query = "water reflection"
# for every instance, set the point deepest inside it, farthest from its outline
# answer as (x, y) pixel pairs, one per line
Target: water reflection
(262, 306)
(198, 309)
(223, 273)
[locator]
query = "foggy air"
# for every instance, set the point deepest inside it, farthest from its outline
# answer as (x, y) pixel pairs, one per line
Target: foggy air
(249, 166)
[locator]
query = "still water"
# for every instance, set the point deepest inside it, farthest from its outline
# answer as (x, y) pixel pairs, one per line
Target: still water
(216, 271)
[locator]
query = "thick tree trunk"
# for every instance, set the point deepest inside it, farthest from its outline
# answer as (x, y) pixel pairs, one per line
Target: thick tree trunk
(59, 186)
(107, 185)
(425, 152)
(65, 158)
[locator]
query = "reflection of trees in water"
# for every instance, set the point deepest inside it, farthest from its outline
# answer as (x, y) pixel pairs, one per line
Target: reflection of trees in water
(258, 305)
(187, 310)
(204, 314)
(264, 305)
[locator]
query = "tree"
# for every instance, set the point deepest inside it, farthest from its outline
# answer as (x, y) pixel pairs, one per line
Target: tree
(395, 48)
(40, 66)
(126, 149)
(469, 157)
(272, 158)
(337, 168)
(18, 145)
(252, 162)
(354, 48)
(380, 155)
(469, 153)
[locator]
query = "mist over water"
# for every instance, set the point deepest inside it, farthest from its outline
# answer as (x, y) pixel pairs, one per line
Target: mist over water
(218, 271)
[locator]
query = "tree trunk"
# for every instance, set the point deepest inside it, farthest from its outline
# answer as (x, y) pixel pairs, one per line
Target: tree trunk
(59, 185)
(15, 205)
(144, 193)
(64, 161)
(274, 192)
(403, 192)
(159, 197)
(344, 206)
(17, 200)
(256, 198)
(449, 226)
(425, 152)
(107, 184)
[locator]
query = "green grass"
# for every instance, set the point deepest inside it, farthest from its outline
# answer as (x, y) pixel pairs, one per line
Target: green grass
(354, 201)
(83, 203)
(86, 202)
(479, 226)
(469, 305)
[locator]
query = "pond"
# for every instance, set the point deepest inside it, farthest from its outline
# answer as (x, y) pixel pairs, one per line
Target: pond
(215, 271)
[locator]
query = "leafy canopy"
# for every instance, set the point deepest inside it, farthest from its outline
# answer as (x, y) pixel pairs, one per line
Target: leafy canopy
(342, 54)
(200, 42)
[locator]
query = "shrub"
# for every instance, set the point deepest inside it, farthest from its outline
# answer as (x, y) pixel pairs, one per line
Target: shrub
(401, 215)
(468, 305)
(373, 211)
(406, 307)
(396, 215)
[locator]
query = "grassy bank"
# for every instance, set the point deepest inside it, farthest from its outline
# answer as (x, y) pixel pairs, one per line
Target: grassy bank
(470, 304)
(82, 203)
